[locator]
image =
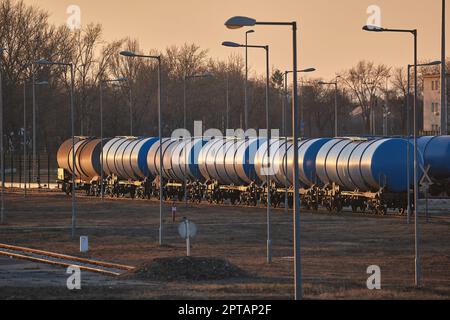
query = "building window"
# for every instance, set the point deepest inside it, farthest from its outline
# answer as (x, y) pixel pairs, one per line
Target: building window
(432, 85)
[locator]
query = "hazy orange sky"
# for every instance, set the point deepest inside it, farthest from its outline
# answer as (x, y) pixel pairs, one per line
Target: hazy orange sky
(330, 34)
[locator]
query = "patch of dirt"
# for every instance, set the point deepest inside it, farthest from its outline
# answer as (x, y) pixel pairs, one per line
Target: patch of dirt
(187, 269)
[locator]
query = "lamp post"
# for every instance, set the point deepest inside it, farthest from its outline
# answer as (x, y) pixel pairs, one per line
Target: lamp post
(103, 81)
(416, 169)
(239, 22)
(286, 73)
(130, 54)
(246, 79)
(24, 139)
(35, 111)
(335, 83)
(2, 166)
(444, 111)
(34, 84)
(408, 132)
(44, 62)
(185, 79)
(268, 180)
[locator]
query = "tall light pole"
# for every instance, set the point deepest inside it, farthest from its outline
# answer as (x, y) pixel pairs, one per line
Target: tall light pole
(246, 79)
(286, 73)
(25, 139)
(416, 169)
(2, 166)
(105, 81)
(408, 133)
(444, 111)
(268, 180)
(44, 62)
(35, 111)
(185, 80)
(34, 84)
(335, 83)
(239, 22)
(130, 54)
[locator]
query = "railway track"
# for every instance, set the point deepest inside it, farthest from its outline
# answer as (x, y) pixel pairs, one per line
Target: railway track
(62, 260)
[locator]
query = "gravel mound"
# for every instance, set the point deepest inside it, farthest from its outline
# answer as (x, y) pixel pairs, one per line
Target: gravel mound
(187, 269)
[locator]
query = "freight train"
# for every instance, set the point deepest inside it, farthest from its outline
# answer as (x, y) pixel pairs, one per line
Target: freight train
(364, 174)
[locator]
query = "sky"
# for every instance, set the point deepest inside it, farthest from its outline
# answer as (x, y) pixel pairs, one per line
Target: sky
(330, 35)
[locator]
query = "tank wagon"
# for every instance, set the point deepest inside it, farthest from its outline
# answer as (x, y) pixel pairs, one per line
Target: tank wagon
(359, 173)
(436, 154)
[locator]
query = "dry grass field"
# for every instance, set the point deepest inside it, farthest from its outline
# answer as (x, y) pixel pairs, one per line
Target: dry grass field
(336, 251)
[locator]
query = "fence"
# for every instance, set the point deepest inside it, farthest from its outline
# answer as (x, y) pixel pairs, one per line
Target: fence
(19, 170)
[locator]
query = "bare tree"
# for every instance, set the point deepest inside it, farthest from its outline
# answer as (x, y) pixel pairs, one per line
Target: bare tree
(364, 80)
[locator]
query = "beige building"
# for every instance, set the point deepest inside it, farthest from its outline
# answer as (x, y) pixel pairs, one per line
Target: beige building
(432, 103)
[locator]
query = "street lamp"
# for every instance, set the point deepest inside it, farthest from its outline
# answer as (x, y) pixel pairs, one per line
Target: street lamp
(444, 111)
(34, 84)
(130, 54)
(246, 79)
(185, 78)
(416, 169)
(2, 166)
(268, 182)
(239, 22)
(286, 73)
(408, 129)
(44, 62)
(335, 83)
(123, 79)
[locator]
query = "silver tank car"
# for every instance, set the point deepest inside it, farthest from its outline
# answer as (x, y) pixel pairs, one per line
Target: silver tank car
(230, 161)
(153, 158)
(365, 165)
(185, 159)
(282, 165)
(115, 160)
(87, 157)
(137, 153)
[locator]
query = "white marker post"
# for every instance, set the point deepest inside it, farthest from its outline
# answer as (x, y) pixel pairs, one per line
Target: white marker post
(84, 244)
(187, 230)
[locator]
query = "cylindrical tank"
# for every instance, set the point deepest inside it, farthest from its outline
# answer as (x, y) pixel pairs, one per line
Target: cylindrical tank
(275, 166)
(114, 156)
(326, 161)
(87, 157)
(137, 153)
(354, 166)
(436, 154)
(383, 164)
(307, 153)
(365, 165)
(230, 161)
(122, 159)
(153, 158)
(62, 156)
(185, 159)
